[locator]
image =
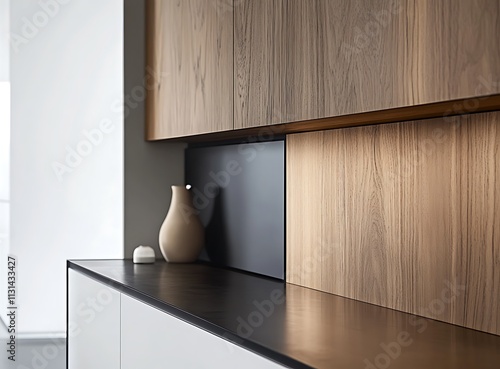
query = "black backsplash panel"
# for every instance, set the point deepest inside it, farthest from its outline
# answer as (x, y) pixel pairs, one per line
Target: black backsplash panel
(239, 190)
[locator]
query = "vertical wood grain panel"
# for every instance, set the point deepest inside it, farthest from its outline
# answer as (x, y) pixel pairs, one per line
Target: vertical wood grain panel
(415, 208)
(333, 235)
(453, 48)
(299, 60)
(435, 224)
(480, 151)
(307, 254)
(190, 64)
(319, 254)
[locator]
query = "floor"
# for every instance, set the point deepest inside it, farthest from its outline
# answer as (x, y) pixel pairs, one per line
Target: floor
(33, 353)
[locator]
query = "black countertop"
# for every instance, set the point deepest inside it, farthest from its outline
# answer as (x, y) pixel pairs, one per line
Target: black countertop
(296, 326)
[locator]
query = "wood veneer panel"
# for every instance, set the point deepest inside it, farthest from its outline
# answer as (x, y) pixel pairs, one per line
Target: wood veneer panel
(308, 254)
(434, 214)
(401, 212)
(190, 63)
(447, 49)
(371, 206)
(480, 141)
(299, 60)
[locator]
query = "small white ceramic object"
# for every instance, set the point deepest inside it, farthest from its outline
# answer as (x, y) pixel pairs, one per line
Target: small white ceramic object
(144, 255)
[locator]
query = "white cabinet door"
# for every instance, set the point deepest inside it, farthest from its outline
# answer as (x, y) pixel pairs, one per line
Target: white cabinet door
(153, 339)
(94, 324)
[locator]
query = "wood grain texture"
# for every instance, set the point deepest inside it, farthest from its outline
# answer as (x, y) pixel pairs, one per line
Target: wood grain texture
(299, 60)
(447, 109)
(190, 62)
(400, 215)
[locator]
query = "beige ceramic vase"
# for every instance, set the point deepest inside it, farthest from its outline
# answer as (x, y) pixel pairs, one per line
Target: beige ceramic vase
(182, 235)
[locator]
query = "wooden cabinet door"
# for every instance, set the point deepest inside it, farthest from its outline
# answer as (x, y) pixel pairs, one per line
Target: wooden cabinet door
(156, 340)
(93, 324)
(189, 76)
(305, 59)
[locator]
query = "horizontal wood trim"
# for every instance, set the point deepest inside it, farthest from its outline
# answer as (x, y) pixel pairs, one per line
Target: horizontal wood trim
(445, 109)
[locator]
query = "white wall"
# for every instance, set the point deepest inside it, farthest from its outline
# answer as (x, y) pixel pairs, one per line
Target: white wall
(4, 147)
(4, 40)
(66, 78)
(4, 187)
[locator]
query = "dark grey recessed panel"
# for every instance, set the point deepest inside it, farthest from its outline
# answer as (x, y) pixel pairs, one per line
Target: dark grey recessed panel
(240, 192)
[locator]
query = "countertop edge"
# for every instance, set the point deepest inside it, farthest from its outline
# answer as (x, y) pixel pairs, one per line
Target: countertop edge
(194, 320)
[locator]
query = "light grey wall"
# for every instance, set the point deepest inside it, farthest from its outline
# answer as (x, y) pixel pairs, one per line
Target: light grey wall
(67, 79)
(150, 167)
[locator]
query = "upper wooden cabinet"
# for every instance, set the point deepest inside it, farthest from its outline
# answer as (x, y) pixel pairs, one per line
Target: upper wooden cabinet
(190, 67)
(215, 65)
(305, 59)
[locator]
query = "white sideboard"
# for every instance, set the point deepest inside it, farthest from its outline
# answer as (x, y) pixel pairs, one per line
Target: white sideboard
(111, 330)
(93, 324)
